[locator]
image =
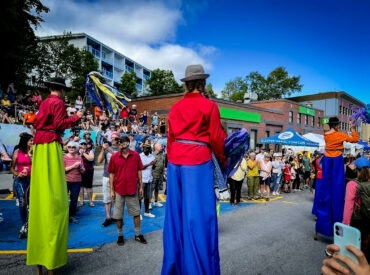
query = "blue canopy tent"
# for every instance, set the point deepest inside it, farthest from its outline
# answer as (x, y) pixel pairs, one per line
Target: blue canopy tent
(289, 137)
(366, 146)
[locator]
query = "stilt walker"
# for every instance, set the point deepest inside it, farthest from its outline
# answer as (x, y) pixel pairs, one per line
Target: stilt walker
(331, 193)
(48, 212)
(190, 236)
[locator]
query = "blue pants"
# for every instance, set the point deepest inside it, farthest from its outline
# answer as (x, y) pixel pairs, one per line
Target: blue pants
(276, 181)
(21, 186)
(74, 188)
(331, 193)
(190, 235)
(316, 199)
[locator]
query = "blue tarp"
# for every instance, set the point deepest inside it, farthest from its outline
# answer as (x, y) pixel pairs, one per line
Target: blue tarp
(366, 146)
(289, 137)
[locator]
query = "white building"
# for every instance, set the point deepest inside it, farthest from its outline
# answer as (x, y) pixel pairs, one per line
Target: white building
(112, 64)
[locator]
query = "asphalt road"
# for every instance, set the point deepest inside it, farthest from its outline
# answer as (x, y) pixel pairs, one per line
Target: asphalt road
(265, 238)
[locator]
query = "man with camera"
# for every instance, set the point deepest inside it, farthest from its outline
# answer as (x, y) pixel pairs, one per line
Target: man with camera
(106, 154)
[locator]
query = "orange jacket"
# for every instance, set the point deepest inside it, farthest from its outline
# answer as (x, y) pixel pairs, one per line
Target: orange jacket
(334, 140)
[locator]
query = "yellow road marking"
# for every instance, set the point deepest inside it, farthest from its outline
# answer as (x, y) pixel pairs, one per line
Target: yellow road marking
(93, 196)
(162, 197)
(25, 251)
(9, 197)
(289, 202)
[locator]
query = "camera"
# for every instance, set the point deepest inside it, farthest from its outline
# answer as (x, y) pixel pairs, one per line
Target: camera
(76, 130)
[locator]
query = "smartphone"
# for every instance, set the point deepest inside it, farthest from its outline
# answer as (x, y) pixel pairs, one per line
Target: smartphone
(347, 235)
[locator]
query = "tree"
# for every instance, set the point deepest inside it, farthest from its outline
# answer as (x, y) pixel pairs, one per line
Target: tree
(56, 57)
(209, 89)
(277, 84)
(163, 82)
(17, 18)
(128, 83)
(235, 89)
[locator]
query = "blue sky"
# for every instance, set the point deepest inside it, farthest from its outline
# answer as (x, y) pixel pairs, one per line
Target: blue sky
(325, 42)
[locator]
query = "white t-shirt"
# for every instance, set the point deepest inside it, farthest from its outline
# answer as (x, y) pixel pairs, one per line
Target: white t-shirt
(147, 172)
(71, 110)
(78, 104)
(108, 135)
(260, 157)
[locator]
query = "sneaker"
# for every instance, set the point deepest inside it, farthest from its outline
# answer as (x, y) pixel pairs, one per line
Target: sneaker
(150, 215)
(73, 220)
(107, 222)
(140, 239)
(267, 199)
(158, 204)
(120, 241)
(238, 204)
(273, 193)
(150, 206)
(22, 233)
(141, 217)
(231, 203)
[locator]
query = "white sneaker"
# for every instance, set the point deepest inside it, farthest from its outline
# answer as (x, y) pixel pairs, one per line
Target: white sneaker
(273, 193)
(158, 204)
(150, 215)
(150, 206)
(141, 217)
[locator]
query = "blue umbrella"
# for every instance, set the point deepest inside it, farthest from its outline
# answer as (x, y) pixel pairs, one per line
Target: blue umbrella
(289, 137)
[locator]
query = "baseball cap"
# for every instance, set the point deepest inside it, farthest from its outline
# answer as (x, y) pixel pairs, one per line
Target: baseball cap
(115, 134)
(82, 141)
(362, 162)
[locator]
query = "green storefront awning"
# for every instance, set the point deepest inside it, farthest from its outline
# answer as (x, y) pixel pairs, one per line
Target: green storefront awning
(239, 115)
(306, 111)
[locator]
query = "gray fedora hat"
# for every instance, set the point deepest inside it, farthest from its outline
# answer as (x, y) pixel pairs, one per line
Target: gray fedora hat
(194, 72)
(57, 81)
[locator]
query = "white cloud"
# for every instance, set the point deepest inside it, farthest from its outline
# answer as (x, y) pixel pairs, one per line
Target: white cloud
(143, 30)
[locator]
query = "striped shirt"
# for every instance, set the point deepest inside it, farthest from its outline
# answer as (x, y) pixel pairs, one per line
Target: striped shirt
(73, 175)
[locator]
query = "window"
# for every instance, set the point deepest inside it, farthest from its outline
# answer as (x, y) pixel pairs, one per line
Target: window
(305, 119)
(253, 139)
(340, 109)
(290, 117)
(267, 146)
(313, 122)
(299, 118)
(319, 122)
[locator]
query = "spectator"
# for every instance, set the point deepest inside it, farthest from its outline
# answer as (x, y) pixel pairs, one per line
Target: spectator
(141, 120)
(105, 155)
(260, 155)
(293, 175)
(5, 118)
(79, 103)
(36, 99)
(286, 176)
(145, 117)
(22, 112)
(277, 166)
(97, 114)
(67, 103)
(87, 155)
(74, 168)
(134, 128)
(162, 127)
(71, 110)
(109, 132)
(12, 92)
(236, 182)
(89, 141)
(124, 174)
(124, 116)
(306, 169)
(155, 119)
(29, 119)
(21, 170)
(132, 114)
(252, 177)
(158, 171)
(6, 103)
(133, 142)
(350, 172)
(265, 176)
(148, 160)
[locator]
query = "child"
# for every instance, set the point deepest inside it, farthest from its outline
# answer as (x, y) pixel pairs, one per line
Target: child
(286, 176)
(293, 175)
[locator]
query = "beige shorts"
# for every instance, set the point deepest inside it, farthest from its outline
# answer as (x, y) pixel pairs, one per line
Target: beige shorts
(133, 206)
(106, 190)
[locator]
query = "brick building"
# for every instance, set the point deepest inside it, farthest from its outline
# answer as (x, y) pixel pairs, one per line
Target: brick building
(261, 119)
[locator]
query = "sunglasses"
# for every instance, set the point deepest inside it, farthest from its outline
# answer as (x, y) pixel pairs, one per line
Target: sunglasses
(83, 143)
(117, 139)
(71, 147)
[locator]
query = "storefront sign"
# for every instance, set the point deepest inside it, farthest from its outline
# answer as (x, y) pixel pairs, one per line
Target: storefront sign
(239, 115)
(325, 120)
(306, 111)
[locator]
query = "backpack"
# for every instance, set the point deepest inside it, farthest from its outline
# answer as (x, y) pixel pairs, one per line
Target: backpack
(362, 214)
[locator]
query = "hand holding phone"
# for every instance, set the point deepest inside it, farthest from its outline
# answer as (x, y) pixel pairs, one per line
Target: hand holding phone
(347, 235)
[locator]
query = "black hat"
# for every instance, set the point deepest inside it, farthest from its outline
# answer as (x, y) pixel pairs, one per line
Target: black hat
(194, 72)
(57, 81)
(333, 121)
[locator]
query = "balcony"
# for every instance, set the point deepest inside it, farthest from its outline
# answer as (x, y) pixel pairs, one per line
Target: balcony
(146, 76)
(139, 73)
(95, 52)
(106, 58)
(119, 64)
(107, 73)
(128, 68)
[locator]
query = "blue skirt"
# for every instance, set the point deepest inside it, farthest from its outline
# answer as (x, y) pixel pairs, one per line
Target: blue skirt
(331, 193)
(190, 234)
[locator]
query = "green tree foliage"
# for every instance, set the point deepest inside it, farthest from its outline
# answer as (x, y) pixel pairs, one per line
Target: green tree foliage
(128, 83)
(17, 18)
(235, 89)
(163, 82)
(56, 57)
(278, 84)
(210, 90)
